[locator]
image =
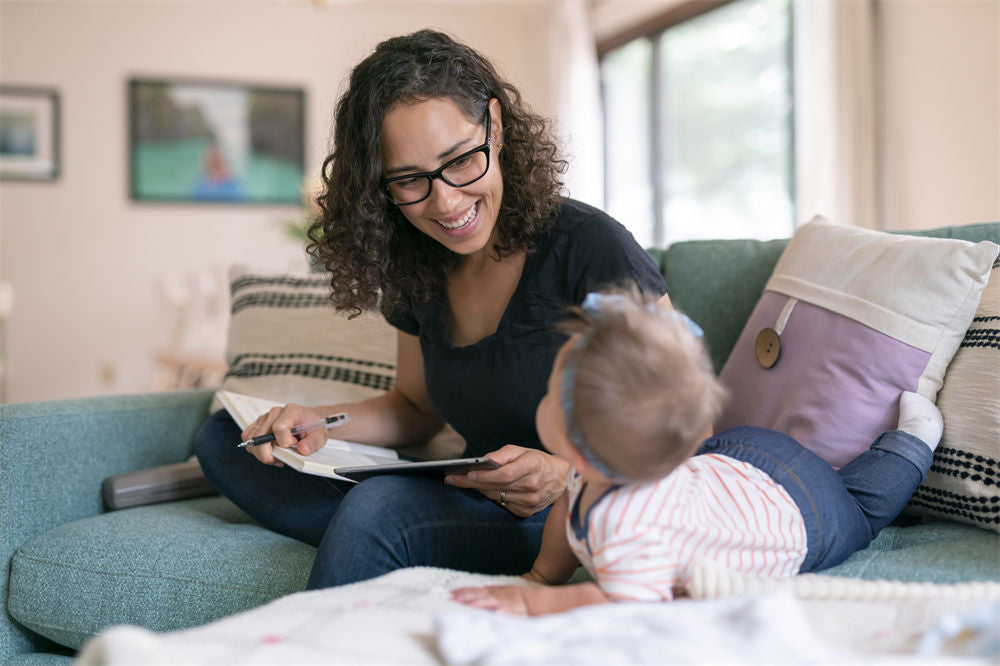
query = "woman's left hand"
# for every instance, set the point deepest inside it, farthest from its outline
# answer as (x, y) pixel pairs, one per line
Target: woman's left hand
(527, 481)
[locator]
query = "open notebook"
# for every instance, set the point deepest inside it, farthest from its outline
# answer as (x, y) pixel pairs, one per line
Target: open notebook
(340, 459)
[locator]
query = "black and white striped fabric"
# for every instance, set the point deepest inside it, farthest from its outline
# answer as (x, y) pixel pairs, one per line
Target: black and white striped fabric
(287, 343)
(964, 481)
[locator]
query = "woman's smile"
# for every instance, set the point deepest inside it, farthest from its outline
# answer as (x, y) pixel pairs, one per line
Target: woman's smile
(462, 223)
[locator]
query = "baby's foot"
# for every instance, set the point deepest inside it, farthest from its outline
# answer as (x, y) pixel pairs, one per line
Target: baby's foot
(919, 417)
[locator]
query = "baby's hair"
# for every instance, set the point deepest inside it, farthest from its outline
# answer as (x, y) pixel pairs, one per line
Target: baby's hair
(644, 392)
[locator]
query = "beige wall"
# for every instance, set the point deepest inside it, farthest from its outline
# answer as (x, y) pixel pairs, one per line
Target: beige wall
(85, 261)
(940, 111)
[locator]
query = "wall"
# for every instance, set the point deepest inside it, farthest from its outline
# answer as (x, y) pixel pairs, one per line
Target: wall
(612, 17)
(940, 111)
(83, 259)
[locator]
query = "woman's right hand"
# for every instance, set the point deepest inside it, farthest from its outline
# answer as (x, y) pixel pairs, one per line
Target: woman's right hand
(401, 415)
(280, 421)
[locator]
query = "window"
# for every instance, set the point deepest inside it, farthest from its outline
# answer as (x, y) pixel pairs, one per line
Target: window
(698, 126)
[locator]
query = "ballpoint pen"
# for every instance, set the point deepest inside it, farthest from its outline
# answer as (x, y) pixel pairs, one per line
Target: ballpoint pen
(327, 423)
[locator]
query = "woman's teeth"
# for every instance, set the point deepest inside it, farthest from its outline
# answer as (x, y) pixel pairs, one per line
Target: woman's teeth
(463, 221)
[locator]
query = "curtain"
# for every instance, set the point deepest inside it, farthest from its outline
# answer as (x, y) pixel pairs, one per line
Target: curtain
(836, 155)
(576, 85)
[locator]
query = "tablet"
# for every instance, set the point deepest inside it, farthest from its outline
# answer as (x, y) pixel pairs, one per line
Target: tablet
(422, 468)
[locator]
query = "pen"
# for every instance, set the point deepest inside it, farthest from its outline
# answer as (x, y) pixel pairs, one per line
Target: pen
(327, 423)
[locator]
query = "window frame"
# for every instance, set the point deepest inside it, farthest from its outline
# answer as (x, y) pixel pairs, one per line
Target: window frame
(652, 30)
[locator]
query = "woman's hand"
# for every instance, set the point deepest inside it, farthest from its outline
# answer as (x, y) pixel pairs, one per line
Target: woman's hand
(280, 421)
(527, 482)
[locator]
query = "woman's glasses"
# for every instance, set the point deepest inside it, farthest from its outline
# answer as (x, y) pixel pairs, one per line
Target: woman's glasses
(464, 170)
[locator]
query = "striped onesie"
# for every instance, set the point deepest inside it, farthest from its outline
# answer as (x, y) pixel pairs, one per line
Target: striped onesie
(752, 500)
(639, 541)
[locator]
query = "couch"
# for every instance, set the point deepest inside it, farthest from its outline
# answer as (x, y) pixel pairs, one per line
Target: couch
(71, 568)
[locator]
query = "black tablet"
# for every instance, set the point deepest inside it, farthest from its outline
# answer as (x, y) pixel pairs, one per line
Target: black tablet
(422, 468)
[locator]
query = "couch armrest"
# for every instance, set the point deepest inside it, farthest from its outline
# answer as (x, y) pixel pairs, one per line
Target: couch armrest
(54, 456)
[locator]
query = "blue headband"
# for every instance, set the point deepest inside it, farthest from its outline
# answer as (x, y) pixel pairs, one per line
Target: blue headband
(594, 305)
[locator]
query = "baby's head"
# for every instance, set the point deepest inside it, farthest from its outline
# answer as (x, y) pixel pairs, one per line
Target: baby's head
(635, 387)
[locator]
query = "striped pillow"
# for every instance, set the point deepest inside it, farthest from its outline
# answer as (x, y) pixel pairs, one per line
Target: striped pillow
(962, 484)
(287, 343)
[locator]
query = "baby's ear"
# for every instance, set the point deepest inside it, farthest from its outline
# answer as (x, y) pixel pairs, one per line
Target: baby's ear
(577, 460)
(586, 470)
(571, 454)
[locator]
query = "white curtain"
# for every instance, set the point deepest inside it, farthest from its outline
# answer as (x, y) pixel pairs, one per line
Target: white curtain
(576, 87)
(836, 111)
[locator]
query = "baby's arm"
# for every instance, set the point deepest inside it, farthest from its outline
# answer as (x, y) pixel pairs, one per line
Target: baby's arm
(519, 600)
(554, 565)
(555, 562)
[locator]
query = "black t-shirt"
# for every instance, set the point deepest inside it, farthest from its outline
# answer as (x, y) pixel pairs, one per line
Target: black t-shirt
(488, 391)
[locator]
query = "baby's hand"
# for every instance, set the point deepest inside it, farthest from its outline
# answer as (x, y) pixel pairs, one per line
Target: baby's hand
(506, 598)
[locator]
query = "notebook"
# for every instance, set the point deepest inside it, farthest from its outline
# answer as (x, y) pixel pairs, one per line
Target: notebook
(341, 459)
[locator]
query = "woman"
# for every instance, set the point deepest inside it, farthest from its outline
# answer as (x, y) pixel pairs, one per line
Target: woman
(442, 207)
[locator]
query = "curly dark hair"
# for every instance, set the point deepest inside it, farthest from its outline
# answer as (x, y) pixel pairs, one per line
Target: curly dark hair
(361, 237)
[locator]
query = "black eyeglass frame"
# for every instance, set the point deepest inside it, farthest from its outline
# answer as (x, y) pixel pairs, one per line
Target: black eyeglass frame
(439, 172)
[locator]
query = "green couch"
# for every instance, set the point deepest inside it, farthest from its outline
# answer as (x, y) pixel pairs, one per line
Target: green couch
(71, 569)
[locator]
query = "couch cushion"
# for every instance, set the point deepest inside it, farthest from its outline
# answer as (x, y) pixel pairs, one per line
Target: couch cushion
(858, 316)
(41, 659)
(163, 567)
(939, 552)
(717, 283)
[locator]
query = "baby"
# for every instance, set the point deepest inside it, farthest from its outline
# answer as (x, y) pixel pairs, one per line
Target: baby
(630, 404)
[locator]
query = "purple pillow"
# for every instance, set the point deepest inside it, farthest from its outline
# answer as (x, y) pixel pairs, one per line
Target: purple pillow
(849, 319)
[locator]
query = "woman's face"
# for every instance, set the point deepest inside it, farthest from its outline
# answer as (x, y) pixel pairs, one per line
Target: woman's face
(422, 136)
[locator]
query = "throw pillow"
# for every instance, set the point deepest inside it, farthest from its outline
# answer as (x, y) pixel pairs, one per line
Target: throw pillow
(962, 484)
(849, 319)
(287, 343)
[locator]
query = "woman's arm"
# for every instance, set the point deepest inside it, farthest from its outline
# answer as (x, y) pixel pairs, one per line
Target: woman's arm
(403, 415)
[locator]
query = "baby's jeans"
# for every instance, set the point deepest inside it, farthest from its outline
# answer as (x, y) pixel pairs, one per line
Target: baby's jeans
(843, 510)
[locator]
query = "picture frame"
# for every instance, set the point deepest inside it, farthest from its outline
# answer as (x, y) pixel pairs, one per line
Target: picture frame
(29, 133)
(203, 141)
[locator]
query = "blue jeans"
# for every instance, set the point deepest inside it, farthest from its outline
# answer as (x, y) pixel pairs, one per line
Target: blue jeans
(367, 529)
(843, 509)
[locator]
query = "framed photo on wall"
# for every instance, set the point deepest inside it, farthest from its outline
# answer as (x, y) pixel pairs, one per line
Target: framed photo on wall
(206, 141)
(29, 133)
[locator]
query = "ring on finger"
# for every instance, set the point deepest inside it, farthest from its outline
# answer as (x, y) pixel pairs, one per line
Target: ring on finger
(503, 497)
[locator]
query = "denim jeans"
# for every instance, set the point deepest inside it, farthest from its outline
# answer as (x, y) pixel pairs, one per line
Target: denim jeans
(843, 509)
(367, 529)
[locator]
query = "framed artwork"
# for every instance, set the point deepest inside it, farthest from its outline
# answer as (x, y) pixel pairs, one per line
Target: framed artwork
(206, 141)
(29, 133)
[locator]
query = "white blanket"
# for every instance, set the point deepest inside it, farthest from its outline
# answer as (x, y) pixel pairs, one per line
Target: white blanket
(407, 617)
